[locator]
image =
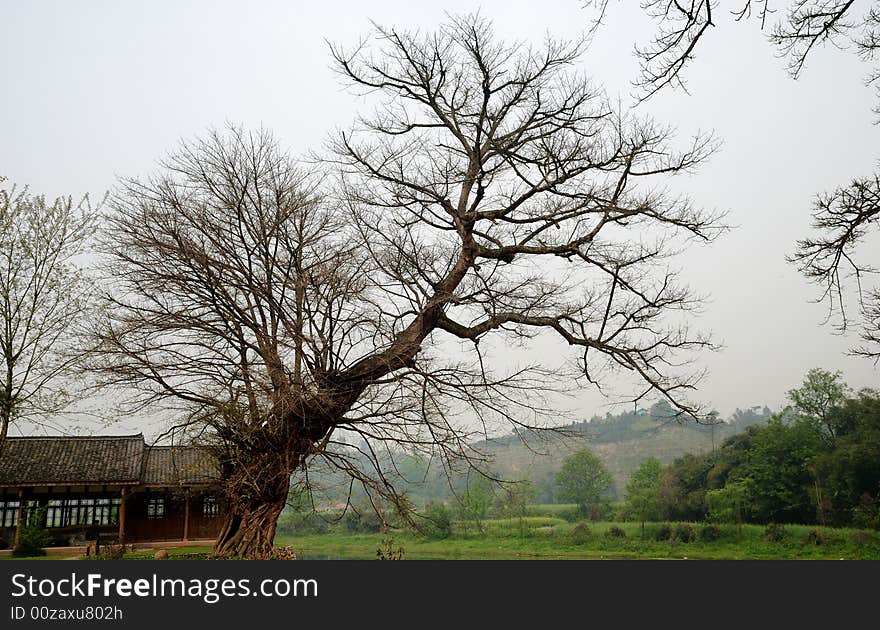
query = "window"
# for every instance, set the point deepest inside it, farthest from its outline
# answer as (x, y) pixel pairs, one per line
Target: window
(210, 508)
(82, 512)
(156, 507)
(8, 513)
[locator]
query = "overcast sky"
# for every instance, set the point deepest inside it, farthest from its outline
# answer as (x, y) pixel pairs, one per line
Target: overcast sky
(95, 90)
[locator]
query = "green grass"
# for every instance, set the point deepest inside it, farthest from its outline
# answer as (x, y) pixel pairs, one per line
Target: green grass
(550, 537)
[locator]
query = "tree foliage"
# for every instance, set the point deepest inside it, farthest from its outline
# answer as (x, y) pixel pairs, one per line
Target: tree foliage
(643, 491)
(44, 296)
(583, 479)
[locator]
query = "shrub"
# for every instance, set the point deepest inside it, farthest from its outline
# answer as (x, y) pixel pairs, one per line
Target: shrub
(774, 532)
(439, 521)
(580, 533)
(684, 532)
(389, 551)
(664, 532)
(615, 532)
(815, 537)
(33, 536)
(293, 522)
(709, 533)
(112, 552)
(284, 553)
(569, 514)
(362, 519)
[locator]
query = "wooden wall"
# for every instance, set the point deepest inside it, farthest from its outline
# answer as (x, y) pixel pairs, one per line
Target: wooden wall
(139, 527)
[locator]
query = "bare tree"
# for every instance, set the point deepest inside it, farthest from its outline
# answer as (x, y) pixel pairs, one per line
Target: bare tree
(44, 294)
(494, 194)
(843, 218)
(804, 26)
(797, 28)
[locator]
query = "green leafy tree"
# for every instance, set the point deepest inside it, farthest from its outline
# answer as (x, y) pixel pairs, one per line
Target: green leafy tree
(849, 475)
(780, 466)
(583, 479)
(730, 503)
(43, 295)
(818, 396)
(475, 501)
(514, 497)
(643, 491)
(439, 520)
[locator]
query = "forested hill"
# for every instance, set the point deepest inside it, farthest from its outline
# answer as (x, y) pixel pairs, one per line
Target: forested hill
(622, 441)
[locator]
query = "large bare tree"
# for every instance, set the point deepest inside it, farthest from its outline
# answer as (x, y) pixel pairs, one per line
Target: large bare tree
(44, 295)
(837, 257)
(495, 194)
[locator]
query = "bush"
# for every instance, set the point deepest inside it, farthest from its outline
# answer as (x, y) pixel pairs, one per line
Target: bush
(439, 521)
(815, 537)
(32, 537)
(570, 515)
(389, 551)
(664, 532)
(283, 553)
(709, 533)
(615, 532)
(581, 533)
(363, 519)
(112, 552)
(775, 532)
(294, 522)
(684, 532)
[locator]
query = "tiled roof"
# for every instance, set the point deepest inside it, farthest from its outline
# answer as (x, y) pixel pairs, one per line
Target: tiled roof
(173, 465)
(71, 460)
(101, 460)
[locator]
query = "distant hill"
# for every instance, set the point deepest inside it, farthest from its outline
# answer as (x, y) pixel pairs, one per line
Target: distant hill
(622, 441)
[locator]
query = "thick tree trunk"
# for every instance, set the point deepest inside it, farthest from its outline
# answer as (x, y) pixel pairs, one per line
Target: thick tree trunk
(256, 495)
(250, 533)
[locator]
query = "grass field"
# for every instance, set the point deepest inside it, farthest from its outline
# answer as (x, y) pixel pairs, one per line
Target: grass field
(549, 538)
(544, 535)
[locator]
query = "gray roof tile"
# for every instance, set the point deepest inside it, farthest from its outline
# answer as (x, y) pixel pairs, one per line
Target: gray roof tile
(101, 460)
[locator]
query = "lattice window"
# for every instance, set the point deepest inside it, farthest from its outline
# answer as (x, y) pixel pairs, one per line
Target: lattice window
(210, 507)
(82, 511)
(8, 513)
(156, 507)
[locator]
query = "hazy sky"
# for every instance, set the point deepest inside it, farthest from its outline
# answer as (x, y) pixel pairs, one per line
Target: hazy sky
(93, 90)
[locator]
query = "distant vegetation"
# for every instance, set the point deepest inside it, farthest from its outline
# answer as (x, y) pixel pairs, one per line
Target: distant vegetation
(817, 462)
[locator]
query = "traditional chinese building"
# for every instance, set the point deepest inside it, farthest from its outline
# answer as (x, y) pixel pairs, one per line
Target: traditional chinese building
(117, 486)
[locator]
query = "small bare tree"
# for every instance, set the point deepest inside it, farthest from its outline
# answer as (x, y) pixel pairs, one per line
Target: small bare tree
(494, 194)
(44, 294)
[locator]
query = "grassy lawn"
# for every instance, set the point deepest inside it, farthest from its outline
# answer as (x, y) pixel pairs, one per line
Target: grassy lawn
(550, 537)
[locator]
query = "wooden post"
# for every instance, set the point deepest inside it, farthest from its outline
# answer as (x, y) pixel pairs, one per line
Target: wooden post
(20, 514)
(186, 518)
(122, 516)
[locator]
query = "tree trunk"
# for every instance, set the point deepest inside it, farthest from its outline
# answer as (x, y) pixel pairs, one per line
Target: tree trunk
(256, 495)
(250, 533)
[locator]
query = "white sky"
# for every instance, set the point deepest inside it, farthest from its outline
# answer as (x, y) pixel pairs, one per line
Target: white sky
(94, 90)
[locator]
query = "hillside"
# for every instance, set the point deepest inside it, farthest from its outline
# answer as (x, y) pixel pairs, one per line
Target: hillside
(622, 441)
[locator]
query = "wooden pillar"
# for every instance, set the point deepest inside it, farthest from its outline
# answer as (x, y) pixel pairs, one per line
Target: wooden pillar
(122, 516)
(20, 514)
(186, 518)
